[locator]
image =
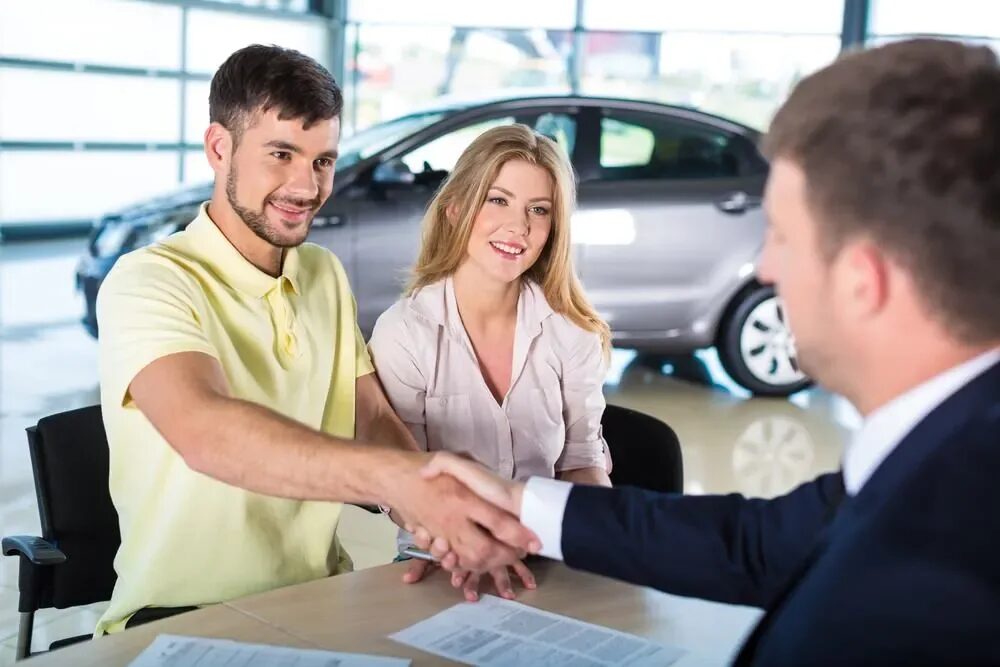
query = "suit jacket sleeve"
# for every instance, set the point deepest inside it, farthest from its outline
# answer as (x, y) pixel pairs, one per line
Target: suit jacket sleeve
(725, 548)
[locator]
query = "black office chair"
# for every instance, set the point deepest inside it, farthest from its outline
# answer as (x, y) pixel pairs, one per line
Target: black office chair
(645, 452)
(72, 563)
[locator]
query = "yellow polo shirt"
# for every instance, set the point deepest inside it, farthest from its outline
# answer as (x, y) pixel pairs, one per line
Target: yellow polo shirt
(290, 343)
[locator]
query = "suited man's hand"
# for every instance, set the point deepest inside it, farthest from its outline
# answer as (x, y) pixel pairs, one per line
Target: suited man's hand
(483, 535)
(503, 493)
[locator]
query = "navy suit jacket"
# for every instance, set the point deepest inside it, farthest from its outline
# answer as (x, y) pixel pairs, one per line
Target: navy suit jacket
(905, 573)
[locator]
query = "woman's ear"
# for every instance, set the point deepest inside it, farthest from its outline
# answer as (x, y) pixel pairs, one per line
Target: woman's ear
(451, 213)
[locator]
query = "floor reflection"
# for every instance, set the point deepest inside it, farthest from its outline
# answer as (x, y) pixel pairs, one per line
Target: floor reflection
(731, 441)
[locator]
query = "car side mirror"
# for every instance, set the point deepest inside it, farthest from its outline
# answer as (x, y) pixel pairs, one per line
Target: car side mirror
(393, 174)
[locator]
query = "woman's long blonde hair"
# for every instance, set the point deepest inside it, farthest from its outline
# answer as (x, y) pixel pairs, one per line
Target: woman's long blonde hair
(445, 241)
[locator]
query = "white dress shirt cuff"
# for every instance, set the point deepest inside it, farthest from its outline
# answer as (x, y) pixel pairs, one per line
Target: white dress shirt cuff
(543, 505)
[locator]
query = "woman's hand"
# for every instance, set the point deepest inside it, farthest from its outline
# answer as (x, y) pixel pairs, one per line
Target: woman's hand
(469, 581)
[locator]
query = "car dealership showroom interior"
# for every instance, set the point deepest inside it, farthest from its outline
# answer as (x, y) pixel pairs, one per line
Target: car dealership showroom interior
(323, 321)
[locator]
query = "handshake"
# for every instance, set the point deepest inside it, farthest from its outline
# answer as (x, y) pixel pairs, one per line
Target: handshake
(468, 520)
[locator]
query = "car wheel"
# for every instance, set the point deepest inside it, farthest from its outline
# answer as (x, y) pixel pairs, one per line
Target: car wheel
(756, 346)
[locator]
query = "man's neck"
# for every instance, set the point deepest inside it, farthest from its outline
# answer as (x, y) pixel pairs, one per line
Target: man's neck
(895, 375)
(254, 249)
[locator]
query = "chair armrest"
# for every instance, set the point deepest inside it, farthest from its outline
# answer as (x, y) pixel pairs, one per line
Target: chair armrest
(35, 571)
(368, 508)
(35, 549)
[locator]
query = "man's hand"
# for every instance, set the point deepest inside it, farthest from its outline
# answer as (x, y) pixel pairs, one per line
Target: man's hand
(481, 535)
(502, 493)
(469, 581)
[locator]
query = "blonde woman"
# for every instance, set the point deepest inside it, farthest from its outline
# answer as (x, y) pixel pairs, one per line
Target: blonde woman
(494, 352)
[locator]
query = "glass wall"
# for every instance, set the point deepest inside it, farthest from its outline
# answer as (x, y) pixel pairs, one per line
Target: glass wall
(971, 21)
(738, 59)
(440, 50)
(105, 101)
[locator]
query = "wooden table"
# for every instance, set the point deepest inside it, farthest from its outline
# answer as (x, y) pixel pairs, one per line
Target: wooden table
(356, 612)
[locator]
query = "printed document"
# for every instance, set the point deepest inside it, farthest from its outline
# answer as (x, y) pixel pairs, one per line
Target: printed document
(497, 633)
(176, 651)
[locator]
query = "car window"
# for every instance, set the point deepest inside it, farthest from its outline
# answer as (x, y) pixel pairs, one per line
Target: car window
(625, 144)
(441, 154)
(560, 127)
(643, 146)
(369, 141)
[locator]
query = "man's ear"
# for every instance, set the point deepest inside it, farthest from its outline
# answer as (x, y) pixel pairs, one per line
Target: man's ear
(218, 147)
(866, 273)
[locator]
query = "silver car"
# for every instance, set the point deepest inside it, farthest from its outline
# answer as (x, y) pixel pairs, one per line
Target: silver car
(666, 236)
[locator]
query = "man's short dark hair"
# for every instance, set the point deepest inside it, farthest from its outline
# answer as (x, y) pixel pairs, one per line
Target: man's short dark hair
(261, 78)
(902, 143)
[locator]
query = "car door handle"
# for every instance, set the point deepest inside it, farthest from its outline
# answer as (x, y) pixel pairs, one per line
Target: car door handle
(737, 202)
(329, 221)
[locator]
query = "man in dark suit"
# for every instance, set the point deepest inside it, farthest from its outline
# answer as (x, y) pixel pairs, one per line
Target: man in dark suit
(884, 244)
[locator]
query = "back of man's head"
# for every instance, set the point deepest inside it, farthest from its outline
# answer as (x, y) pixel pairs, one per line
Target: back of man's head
(901, 144)
(259, 79)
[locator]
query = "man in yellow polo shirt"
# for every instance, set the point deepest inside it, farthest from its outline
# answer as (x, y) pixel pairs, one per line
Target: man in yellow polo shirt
(237, 392)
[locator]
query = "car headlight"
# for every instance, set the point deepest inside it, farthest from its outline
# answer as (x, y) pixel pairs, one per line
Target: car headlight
(163, 227)
(110, 240)
(151, 234)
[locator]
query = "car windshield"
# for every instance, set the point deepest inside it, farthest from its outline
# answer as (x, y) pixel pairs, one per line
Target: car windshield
(369, 141)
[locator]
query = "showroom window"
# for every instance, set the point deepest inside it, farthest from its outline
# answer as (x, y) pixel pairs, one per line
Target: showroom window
(105, 102)
(98, 32)
(397, 69)
(971, 21)
(130, 77)
(729, 58)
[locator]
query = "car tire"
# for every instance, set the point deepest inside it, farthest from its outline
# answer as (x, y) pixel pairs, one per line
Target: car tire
(756, 348)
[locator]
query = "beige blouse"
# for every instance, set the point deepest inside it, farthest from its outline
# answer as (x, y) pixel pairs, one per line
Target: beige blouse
(550, 419)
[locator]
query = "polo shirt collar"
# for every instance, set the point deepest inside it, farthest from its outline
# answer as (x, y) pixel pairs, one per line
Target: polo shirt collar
(234, 268)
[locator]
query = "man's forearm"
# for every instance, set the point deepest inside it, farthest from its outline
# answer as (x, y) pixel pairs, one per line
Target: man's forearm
(727, 548)
(247, 445)
(386, 429)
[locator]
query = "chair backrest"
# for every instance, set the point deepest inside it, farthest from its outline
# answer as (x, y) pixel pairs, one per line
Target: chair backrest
(69, 459)
(645, 452)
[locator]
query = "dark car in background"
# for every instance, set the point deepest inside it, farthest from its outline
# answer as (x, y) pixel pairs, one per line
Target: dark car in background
(666, 237)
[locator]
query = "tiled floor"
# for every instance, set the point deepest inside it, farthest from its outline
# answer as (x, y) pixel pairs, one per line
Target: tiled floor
(759, 447)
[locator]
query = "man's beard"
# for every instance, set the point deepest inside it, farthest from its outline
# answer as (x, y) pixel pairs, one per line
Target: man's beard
(257, 220)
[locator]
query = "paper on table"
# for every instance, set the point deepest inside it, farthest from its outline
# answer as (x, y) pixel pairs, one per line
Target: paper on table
(176, 651)
(497, 633)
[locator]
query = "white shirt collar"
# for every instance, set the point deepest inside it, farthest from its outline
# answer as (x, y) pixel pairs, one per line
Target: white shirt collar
(885, 428)
(436, 303)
